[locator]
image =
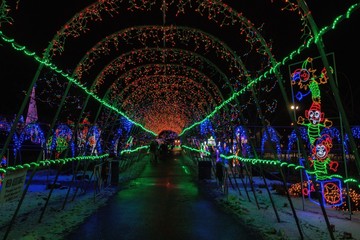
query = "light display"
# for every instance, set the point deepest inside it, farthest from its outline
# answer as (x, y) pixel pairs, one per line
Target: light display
(202, 7)
(293, 138)
(194, 40)
(32, 132)
(126, 95)
(356, 134)
(308, 81)
(206, 129)
(215, 11)
(211, 142)
(50, 90)
(48, 162)
(4, 10)
(114, 144)
(126, 124)
(242, 142)
(73, 30)
(320, 160)
(93, 146)
(60, 141)
(270, 134)
(314, 121)
(320, 172)
(5, 128)
(204, 149)
(225, 16)
(32, 115)
(82, 135)
(333, 132)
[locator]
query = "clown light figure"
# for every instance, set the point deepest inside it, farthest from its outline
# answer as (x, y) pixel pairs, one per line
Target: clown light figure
(301, 77)
(320, 160)
(315, 121)
(330, 187)
(308, 81)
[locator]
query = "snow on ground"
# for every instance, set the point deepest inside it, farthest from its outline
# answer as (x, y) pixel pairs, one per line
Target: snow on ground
(264, 218)
(57, 220)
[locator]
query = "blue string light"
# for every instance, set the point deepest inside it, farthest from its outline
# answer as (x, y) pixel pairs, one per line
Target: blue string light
(270, 134)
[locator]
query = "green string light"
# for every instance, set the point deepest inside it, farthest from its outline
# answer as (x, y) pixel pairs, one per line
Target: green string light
(64, 160)
(195, 150)
(52, 162)
(256, 161)
(134, 150)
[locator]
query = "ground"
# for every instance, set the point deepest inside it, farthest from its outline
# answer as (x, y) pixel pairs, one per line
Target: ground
(263, 218)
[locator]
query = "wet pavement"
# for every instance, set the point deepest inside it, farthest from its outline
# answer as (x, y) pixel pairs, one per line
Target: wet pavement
(165, 202)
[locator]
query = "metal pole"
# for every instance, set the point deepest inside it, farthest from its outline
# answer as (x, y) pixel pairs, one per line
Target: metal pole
(298, 145)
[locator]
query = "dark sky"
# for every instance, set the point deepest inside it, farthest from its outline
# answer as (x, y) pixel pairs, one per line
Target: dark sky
(36, 22)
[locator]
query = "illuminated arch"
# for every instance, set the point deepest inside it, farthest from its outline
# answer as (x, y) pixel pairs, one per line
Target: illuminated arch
(270, 135)
(5, 128)
(33, 133)
(154, 37)
(120, 65)
(293, 139)
(227, 15)
(242, 140)
(355, 130)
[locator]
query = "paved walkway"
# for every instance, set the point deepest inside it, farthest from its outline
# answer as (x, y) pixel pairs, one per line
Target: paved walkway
(164, 203)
